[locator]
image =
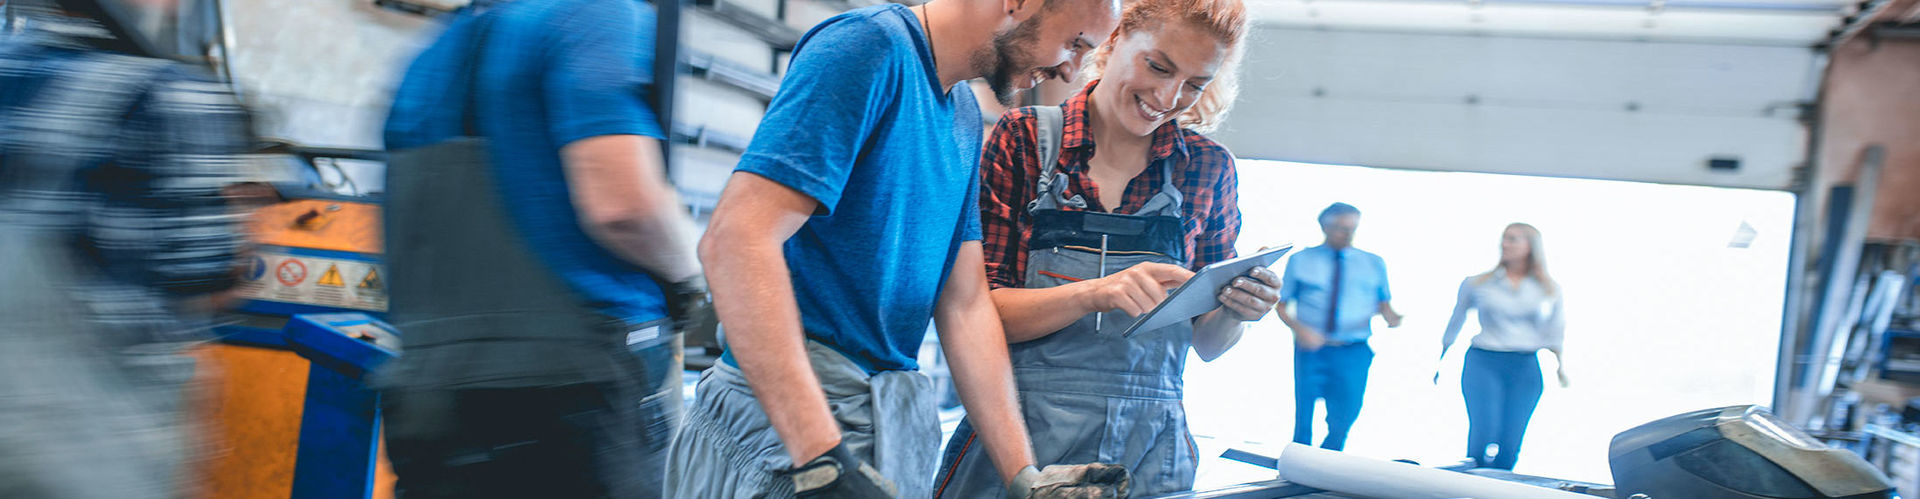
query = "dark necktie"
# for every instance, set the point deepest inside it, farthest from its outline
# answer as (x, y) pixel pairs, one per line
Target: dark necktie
(1333, 304)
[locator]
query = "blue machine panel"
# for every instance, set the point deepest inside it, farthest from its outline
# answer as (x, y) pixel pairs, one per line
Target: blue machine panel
(340, 428)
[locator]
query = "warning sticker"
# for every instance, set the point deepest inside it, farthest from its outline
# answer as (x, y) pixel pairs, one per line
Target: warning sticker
(372, 280)
(332, 277)
(289, 280)
(291, 272)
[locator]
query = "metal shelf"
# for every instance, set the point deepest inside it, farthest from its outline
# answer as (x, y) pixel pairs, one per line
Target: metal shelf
(1894, 435)
(700, 136)
(767, 29)
(758, 83)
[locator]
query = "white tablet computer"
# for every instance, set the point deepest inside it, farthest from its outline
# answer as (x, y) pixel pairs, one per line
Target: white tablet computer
(1200, 293)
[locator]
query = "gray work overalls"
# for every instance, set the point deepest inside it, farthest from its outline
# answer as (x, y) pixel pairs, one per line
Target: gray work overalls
(1088, 394)
(729, 449)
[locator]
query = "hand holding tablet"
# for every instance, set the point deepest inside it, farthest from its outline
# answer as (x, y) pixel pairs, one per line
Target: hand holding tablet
(1201, 293)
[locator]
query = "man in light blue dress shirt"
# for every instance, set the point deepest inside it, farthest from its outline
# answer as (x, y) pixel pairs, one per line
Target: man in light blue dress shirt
(1335, 290)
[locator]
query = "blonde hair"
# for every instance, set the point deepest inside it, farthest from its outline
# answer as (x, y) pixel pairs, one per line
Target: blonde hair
(1536, 259)
(1226, 20)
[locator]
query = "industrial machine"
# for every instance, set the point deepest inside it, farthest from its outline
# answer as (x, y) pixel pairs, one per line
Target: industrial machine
(290, 411)
(1737, 452)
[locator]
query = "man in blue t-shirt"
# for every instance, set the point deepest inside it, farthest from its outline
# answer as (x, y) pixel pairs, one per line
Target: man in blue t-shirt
(535, 246)
(851, 221)
(1335, 290)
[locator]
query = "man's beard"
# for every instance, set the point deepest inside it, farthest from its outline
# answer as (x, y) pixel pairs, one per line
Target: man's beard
(1007, 58)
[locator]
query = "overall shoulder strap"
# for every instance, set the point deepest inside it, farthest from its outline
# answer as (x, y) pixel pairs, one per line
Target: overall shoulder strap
(1048, 130)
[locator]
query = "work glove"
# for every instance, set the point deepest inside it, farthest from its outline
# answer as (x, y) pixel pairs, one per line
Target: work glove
(837, 474)
(689, 306)
(1070, 481)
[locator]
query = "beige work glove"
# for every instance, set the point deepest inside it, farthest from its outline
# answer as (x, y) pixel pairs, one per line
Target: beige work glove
(1071, 481)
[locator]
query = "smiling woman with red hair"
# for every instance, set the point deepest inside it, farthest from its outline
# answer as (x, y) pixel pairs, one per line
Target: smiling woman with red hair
(1081, 238)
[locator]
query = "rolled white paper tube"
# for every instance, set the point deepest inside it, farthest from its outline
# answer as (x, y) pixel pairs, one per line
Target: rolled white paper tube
(1348, 474)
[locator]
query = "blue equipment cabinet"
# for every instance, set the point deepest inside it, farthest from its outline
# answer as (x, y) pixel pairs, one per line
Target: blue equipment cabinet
(340, 428)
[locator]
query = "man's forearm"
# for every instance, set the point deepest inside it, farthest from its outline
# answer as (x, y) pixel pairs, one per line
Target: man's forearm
(660, 241)
(1386, 310)
(754, 298)
(1287, 318)
(620, 192)
(984, 376)
(976, 346)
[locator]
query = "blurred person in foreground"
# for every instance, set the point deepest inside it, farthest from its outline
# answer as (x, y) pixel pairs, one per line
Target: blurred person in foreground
(541, 265)
(1123, 161)
(115, 236)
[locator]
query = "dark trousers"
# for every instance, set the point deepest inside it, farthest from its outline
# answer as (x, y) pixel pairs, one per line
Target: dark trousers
(584, 440)
(1502, 389)
(574, 441)
(1337, 374)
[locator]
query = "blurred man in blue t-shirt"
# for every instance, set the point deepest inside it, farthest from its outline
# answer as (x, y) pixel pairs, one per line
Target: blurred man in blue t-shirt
(534, 247)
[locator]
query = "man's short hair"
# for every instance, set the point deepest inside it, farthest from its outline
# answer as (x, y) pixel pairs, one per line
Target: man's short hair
(1335, 210)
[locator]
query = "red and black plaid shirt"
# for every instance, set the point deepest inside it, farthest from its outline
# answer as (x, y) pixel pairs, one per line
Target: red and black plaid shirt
(1203, 170)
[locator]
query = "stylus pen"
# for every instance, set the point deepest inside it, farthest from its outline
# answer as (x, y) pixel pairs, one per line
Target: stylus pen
(1100, 317)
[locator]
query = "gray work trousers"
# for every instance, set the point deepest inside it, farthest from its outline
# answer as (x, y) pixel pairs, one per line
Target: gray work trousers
(728, 448)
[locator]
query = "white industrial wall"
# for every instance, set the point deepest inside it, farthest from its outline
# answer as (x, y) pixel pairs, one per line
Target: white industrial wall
(1611, 109)
(321, 73)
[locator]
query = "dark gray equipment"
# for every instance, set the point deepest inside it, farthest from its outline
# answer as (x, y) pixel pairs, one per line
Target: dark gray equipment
(1737, 452)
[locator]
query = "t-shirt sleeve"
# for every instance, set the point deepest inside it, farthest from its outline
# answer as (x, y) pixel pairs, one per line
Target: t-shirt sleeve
(833, 95)
(970, 224)
(599, 68)
(967, 123)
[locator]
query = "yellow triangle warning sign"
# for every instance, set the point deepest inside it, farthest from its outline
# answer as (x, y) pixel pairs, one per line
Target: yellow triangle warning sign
(372, 281)
(332, 277)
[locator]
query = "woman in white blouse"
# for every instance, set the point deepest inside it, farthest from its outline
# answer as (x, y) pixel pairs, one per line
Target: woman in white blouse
(1520, 314)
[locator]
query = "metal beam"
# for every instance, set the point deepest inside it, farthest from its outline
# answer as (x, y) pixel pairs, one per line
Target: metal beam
(700, 136)
(759, 84)
(1838, 287)
(1853, 24)
(1887, 31)
(767, 29)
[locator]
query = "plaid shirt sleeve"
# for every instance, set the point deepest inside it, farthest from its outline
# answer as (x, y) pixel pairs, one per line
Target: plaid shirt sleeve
(163, 215)
(1007, 167)
(1220, 226)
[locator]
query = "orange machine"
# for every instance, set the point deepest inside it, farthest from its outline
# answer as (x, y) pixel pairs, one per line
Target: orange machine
(312, 256)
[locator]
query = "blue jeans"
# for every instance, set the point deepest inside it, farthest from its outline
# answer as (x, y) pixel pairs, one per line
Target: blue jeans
(1337, 374)
(1502, 389)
